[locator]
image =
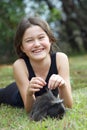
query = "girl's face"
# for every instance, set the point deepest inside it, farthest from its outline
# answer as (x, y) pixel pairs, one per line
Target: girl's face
(35, 43)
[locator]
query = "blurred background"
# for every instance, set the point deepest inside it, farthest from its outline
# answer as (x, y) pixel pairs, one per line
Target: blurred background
(67, 19)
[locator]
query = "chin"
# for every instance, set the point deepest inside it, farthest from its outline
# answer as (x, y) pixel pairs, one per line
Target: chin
(39, 57)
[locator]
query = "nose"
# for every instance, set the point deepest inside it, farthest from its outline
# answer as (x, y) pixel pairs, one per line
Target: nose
(37, 42)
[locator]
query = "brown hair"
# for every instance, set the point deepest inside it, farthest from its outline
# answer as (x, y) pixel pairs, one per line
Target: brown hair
(26, 23)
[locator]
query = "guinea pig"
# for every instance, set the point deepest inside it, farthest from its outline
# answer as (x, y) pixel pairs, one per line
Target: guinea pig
(47, 105)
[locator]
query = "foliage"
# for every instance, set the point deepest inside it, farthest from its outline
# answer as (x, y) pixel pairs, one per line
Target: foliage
(75, 119)
(67, 19)
(75, 27)
(11, 13)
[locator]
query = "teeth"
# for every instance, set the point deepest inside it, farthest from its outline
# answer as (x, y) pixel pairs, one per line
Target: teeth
(36, 51)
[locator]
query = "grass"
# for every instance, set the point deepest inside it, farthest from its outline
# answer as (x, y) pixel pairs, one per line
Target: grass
(78, 68)
(75, 119)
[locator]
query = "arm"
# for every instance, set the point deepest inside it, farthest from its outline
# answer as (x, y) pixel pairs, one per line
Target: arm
(62, 80)
(21, 77)
(27, 88)
(65, 91)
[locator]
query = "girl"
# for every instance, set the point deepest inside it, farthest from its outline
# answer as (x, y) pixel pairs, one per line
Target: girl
(36, 67)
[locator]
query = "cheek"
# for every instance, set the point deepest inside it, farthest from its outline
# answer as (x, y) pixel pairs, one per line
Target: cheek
(48, 45)
(26, 48)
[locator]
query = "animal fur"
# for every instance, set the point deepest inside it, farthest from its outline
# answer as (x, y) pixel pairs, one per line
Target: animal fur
(47, 105)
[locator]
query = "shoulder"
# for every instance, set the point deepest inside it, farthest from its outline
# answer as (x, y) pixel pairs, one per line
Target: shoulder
(19, 65)
(18, 62)
(61, 55)
(61, 59)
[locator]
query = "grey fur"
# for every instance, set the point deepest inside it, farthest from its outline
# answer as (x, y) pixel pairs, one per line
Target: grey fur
(47, 105)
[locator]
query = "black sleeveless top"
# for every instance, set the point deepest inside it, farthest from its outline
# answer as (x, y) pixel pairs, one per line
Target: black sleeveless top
(52, 70)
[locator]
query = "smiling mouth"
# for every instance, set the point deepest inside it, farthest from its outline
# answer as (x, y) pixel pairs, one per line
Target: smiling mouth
(38, 51)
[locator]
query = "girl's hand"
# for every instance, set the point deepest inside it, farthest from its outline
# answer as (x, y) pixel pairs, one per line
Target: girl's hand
(56, 81)
(35, 84)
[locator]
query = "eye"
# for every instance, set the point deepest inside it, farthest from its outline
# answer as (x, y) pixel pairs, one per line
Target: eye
(29, 40)
(41, 37)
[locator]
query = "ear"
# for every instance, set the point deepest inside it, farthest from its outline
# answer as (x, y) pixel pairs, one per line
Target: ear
(57, 101)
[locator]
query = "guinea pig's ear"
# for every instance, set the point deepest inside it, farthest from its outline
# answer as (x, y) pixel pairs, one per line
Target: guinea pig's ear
(57, 101)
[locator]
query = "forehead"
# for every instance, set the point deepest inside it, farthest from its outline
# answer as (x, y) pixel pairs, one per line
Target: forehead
(33, 31)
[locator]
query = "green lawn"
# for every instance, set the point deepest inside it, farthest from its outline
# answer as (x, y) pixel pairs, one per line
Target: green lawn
(75, 119)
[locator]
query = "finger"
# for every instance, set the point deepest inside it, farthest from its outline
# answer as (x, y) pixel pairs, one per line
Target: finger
(34, 88)
(32, 91)
(51, 82)
(57, 82)
(62, 83)
(42, 80)
(38, 80)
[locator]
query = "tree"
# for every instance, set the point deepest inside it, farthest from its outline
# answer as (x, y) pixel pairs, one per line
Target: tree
(75, 11)
(67, 19)
(71, 26)
(10, 15)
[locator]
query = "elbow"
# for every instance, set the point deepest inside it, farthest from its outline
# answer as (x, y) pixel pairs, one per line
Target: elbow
(27, 109)
(70, 104)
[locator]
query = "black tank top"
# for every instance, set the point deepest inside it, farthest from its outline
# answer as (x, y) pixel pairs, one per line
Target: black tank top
(52, 70)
